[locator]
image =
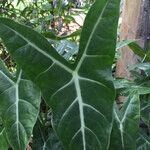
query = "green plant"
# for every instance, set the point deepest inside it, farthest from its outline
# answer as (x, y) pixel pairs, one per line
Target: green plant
(19, 108)
(125, 127)
(82, 94)
(138, 89)
(53, 19)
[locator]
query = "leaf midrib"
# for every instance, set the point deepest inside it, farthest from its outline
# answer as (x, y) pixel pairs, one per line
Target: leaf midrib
(10, 80)
(122, 120)
(75, 79)
(15, 85)
(90, 37)
(17, 107)
(42, 51)
(80, 101)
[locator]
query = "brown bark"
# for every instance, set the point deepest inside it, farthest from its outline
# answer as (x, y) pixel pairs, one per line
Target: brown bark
(134, 26)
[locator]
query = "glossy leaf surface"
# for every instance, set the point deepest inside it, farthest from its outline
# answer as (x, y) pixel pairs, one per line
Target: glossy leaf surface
(124, 43)
(82, 111)
(19, 107)
(45, 138)
(143, 142)
(3, 141)
(125, 129)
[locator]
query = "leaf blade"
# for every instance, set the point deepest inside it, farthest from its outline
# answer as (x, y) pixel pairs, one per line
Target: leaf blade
(126, 124)
(78, 94)
(15, 105)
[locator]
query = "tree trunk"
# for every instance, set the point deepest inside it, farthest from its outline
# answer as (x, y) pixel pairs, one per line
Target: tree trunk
(135, 25)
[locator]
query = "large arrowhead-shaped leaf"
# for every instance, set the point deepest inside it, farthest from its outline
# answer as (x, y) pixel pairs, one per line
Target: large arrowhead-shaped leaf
(19, 105)
(125, 128)
(81, 95)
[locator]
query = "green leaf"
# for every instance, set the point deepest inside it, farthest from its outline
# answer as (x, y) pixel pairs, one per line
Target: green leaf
(143, 142)
(142, 90)
(3, 141)
(124, 43)
(51, 35)
(125, 129)
(139, 51)
(4, 69)
(123, 83)
(97, 29)
(19, 2)
(19, 107)
(145, 67)
(145, 110)
(45, 138)
(82, 111)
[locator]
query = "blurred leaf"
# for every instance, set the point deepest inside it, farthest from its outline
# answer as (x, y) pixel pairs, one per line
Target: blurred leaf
(143, 142)
(145, 110)
(45, 138)
(3, 141)
(124, 43)
(122, 83)
(125, 129)
(141, 66)
(135, 48)
(51, 35)
(20, 1)
(46, 7)
(142, 70)
(19, 106)
(139, 51)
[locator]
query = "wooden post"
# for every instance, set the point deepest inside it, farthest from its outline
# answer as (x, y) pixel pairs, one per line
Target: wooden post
(135, 25)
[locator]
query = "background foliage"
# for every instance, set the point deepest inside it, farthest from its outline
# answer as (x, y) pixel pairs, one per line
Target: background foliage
(60, 22)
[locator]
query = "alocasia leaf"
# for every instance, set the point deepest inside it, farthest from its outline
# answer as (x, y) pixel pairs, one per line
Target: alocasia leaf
(125, 128)
(45, 138)
(124, 43)
(81, 95)
(51, 35)
(132, 44)
(3, 141)
(143, 142)
(139, 51)
(19, 107)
